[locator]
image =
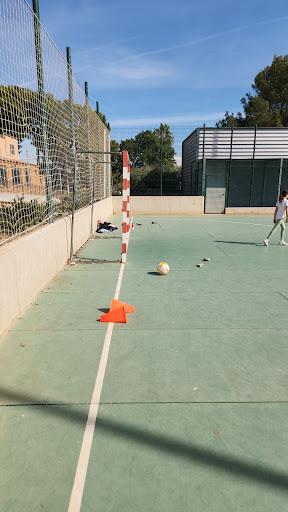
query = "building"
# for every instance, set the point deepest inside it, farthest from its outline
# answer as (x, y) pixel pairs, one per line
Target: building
(18, 177)
(234, 167)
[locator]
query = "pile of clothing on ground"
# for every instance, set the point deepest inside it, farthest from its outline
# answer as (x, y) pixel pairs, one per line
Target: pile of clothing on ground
(104, 227)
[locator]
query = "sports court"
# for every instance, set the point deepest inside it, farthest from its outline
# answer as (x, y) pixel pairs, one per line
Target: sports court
(193, 409)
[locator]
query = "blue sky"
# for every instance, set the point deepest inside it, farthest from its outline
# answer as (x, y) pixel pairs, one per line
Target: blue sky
(181, 63)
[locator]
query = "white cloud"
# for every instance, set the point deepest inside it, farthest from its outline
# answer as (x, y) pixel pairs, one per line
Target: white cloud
(117, 68)
(103, 47)
(137, 71)
(182, 119)
(208, 38)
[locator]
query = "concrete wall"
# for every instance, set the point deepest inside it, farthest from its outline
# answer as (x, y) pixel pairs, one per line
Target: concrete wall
(29, 263)
(165, 205)
(253, 210)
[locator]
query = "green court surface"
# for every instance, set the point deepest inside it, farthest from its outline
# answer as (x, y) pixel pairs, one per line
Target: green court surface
(193, 411)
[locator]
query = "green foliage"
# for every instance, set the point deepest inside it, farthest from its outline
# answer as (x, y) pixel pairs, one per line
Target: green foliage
(66, 204)
(13, 110)
(269, 105)
(103, 119)
(146, 181)
(20, 215)
(230, 120)
(117, 171)
(21, 117)
(145, 157)
(145, 148)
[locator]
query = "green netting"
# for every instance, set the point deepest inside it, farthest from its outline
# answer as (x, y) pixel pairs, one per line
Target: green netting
(196, 179)
(249, 184)
(256, 186)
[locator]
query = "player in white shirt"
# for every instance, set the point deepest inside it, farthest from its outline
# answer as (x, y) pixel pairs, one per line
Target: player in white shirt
(280, 217)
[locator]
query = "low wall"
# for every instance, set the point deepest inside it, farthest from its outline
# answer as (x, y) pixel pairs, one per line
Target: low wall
(253, 210)
(165, 205)
(29, 263)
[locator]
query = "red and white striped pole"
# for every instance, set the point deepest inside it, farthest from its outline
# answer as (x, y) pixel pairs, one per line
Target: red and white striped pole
(125, 206)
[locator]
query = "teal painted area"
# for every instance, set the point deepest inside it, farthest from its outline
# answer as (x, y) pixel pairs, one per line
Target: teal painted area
(166, 457)
(202, 347)
(205, 351)
(73, 301)
(197, 365)
(52, 367)
(232, 243)
(229, 310)
(104, 246)
(199, 280)
(51, 359)
(39, 449)
(106, 249)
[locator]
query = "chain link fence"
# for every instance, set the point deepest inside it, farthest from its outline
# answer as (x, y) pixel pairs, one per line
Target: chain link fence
(45, 117)
(155, 154)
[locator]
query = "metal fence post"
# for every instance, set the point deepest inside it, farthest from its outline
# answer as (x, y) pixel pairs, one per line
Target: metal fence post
(253, 166)
(40, 79)
(230, 168)
(71, 104)
(203, 164)
(104, 164)
(93, 198)
(73, 206)
(99, 148)
(161, 159)
(280, 177)
(88, 138)
(264, 183)
(109, 164)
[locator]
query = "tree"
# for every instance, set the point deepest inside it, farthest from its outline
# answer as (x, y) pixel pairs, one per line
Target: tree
(166, 133)
(269, 105)
(117, 170)
(14, 110)
(144, 150)
(230, 120)
(21, 117)
(144, 154)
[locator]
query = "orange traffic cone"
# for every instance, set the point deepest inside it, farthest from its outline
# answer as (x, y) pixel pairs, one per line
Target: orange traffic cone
(115, 304)
(117, 315)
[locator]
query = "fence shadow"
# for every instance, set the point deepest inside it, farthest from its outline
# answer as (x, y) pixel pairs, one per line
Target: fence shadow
(157, 441)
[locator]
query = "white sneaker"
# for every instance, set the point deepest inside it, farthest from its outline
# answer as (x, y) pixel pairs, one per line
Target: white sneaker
(282, 242)
(266, 242)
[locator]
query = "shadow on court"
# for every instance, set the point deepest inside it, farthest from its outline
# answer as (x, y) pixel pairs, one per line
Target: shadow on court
(241, 243)
(174, 446)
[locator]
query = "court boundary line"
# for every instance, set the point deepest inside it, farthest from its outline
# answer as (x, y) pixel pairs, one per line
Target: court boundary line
(163, 402)
(84, 456)
(231, 222)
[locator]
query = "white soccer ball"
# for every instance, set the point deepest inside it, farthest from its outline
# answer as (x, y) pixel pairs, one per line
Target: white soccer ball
(163, 268)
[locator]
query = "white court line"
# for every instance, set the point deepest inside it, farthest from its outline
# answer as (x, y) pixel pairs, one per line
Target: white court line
(229, 222)
(131, 222)
(81, 471)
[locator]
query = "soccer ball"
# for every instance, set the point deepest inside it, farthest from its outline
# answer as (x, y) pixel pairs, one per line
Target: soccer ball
(163, 268)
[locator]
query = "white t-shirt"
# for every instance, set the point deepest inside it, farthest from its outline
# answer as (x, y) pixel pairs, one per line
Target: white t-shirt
(281, 213)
